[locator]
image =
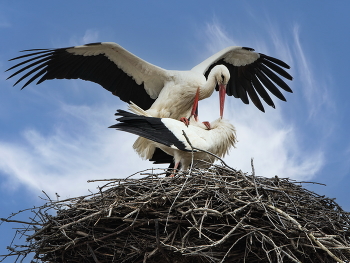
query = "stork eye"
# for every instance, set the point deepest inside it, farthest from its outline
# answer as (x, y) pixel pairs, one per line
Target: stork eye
(222, 77)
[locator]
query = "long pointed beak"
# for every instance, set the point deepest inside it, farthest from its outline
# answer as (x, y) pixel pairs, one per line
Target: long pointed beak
(222, 96)
(194, 111)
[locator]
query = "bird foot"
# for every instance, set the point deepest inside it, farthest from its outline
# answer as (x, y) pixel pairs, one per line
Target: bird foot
(207, 124)
(185, 120)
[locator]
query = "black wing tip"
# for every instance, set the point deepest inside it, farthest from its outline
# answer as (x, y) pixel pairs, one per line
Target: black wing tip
(285, 65)
(288, 90)
(244, 100)
(93, 44)
(248, 48)
(124, 113)
(275, 60)
(119, 112)
(35, 49)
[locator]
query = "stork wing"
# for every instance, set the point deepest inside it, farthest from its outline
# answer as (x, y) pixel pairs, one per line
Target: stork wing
(108, 64)
(160, 157)
(251, 74)
(154, 129)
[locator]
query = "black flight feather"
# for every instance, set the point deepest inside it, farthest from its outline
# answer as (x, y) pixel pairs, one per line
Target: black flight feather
(60, 64)
(148, 127)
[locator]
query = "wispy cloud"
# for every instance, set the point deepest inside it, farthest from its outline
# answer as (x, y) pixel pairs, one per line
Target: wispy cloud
(80, 148)
(90, 36)
(315, 91)
(217, 38)
(269, 138)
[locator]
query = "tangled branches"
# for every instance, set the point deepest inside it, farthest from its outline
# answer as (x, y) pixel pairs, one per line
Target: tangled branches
(214, 215)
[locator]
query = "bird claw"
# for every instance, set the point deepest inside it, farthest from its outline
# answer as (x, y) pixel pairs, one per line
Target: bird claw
(207, 124)
(185, 120)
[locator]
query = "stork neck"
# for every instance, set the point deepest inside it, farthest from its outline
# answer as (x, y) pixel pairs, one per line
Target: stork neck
(208, 87)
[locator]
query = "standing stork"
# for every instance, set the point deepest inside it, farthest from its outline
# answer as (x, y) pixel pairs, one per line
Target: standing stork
(168, 135)
(236, 71)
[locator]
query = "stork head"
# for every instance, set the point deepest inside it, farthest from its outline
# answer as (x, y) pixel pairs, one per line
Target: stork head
(222, 76)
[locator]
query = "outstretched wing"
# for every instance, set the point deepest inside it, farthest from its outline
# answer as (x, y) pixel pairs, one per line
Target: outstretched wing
(108, 64)
(252, 74)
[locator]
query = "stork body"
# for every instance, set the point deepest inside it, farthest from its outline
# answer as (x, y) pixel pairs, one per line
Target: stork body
(238, 71)
(176, 98)
(167, 134)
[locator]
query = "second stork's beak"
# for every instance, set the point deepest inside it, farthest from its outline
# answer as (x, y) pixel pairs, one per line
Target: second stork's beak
(222, 96)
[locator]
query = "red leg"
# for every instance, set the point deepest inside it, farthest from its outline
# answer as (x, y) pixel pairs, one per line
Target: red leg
(194, 111)
(175, 168)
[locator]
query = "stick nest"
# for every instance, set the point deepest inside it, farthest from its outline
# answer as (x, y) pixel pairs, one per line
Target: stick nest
(214, 215)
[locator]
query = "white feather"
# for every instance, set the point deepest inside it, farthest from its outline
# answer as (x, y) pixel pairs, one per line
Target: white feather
(218, 140)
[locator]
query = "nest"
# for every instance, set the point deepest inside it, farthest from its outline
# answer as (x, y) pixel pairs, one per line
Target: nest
(213, 215)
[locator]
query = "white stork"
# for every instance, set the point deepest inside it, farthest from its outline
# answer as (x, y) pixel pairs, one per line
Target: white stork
(238, 71)
(167, 135)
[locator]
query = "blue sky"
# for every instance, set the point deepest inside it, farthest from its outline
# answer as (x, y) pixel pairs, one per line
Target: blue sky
(54, 136)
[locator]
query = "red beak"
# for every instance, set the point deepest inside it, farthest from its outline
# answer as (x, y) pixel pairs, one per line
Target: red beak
(222, 96)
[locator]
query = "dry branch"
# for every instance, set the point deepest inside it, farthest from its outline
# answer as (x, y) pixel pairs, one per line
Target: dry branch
(214, 215)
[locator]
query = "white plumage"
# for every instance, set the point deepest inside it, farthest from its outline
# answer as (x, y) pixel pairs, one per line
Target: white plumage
(236, 71)
(168, 135)
(166, 93)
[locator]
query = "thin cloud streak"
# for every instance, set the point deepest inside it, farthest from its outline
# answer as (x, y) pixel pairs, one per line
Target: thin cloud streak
(217, 37)
(316, 92)
(90, 36)
(268, 137)
(82, 148)
(69, 159)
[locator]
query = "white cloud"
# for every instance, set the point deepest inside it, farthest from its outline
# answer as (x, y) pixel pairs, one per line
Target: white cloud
(63, 161)
(217, 37)
(273, 144)
(315, 92)
(82, 148)
(269, 138)
(90, 36)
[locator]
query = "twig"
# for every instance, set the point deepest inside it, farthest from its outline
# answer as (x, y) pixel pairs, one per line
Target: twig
(93, 254)
(230, 221)
(83, 219)
(306, 231)
(17, 221)
(192, 154)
